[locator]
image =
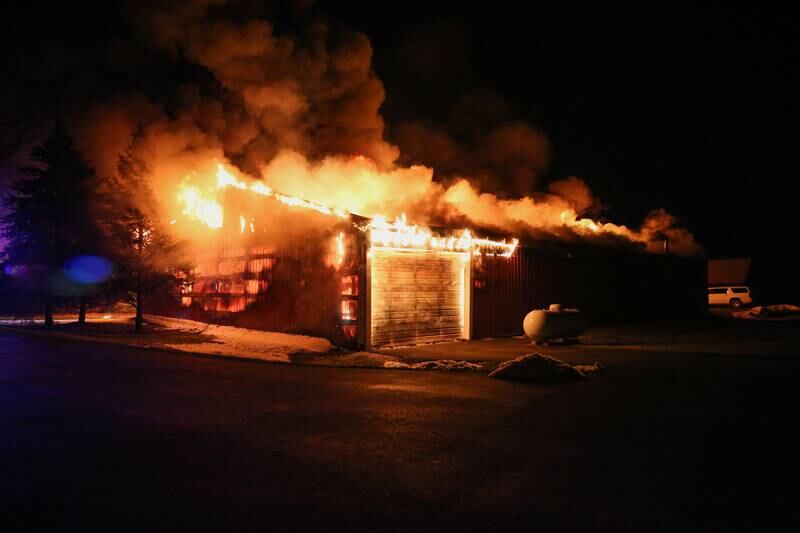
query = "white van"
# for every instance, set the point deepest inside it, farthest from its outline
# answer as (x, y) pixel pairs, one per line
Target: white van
(732, 296)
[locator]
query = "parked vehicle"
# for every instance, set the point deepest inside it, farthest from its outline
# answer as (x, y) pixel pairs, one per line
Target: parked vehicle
(733, 296)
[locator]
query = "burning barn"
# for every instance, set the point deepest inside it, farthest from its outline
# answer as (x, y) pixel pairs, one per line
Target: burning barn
(372, 283)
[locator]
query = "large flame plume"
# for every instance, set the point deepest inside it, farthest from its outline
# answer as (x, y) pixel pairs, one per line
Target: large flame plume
(338, 186)
(204, 207)
(296, 119)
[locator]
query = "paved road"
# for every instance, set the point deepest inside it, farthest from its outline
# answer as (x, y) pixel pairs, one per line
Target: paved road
(120, 439)
(493, 351)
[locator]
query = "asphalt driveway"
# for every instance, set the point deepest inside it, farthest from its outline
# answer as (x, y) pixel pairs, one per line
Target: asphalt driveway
(117, 438)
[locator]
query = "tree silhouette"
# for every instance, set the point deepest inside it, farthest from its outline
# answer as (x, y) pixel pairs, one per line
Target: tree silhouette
(50, 217)
(150, 264)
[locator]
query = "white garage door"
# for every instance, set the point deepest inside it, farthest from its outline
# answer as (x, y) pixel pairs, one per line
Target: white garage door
(416, 297)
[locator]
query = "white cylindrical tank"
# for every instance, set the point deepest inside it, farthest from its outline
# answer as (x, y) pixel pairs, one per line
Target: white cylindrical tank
(553, 323)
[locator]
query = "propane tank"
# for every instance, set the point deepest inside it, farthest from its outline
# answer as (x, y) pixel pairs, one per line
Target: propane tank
(553, 323)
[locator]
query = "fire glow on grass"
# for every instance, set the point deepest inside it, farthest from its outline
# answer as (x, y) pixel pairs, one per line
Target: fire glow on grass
(206, 209)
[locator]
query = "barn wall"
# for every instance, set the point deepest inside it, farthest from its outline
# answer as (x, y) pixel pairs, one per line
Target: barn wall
(296, 288)
(606, 284)
(283, 288)
(502, 292)
(291, 287)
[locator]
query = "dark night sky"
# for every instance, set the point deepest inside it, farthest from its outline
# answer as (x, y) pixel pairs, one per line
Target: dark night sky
(694, 110)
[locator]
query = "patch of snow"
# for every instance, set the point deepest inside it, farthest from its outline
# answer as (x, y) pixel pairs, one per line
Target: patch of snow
(589, 369)
(358, 359)
(32, 321)
(540, 368)
(62, 319)
(767, 311)
(239, 342)
(445, 364)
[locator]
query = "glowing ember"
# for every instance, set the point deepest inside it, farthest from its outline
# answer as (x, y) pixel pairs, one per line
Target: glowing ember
(505, 249)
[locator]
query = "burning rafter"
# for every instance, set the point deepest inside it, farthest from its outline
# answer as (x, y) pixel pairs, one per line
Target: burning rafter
(400, 234)
(204, 207)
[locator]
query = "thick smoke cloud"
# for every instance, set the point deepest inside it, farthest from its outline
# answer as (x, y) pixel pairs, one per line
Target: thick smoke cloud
(480, 139)
(313, 92)
(299, 107)
(574, 192)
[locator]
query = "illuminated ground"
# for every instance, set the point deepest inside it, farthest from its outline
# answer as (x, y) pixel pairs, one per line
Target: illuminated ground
(717, 333)
(115, 438)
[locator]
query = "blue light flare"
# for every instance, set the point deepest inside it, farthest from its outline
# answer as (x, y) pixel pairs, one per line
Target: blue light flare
(88, 269)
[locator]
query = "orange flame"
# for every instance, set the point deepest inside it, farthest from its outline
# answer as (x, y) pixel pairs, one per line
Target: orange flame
(205, 208)
(570, 218)
(400, 234)
(340, 249)
(197, 206)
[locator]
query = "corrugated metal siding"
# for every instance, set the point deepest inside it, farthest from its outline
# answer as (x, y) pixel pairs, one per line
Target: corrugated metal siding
(606, 284)
(416, 297)
(287, 288)
(503, 292)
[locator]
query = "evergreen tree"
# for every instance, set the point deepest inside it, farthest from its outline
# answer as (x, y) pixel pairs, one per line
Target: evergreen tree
(150, 264)
(50, 217)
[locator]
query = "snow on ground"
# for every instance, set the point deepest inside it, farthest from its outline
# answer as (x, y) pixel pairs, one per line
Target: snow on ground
(379, 360)
(6, 321)
(181, 335)
(443, 364)
(238, 342)
(198, 337)
(541, 368)
(355, 359)
(768, 311)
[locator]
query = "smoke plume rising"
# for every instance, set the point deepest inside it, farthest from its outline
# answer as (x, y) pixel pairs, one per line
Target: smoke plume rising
(299, 108)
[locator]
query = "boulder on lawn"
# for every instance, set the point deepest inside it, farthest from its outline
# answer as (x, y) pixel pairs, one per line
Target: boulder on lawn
(537, 367)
